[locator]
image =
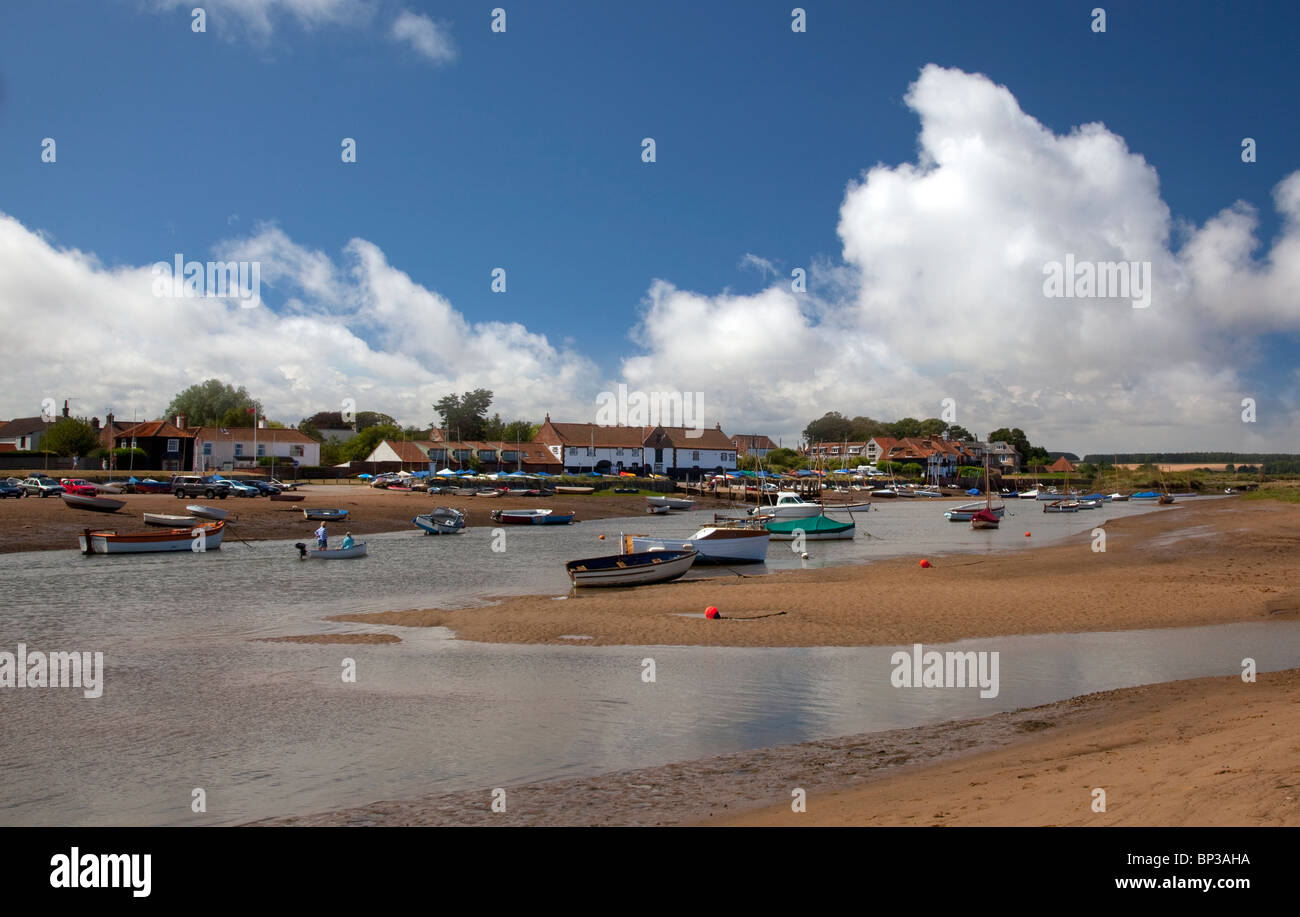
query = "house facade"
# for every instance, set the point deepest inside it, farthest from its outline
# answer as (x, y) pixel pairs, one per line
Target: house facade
(23, 433)
(674, 451)
(752, 444)
(168, 446)
(224, 448)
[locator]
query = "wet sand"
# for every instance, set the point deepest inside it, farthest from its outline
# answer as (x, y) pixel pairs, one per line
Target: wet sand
(1210, 751)
(36, 524)
(1195, 563)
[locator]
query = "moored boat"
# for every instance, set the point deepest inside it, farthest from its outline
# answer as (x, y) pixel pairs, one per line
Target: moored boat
(203, 537)
(669, 502)
(788, 505)
(639, 569)
(967, 511)
(169, 521)
(207, 512)
(317, 515)
(94, 504)
(1061, 506)
(567, 489)
(532, 517)
(1146, 495)
(984, 519)
(714, 544)
(812, 528)
(288, 498)
(357, 550)
(442, 521)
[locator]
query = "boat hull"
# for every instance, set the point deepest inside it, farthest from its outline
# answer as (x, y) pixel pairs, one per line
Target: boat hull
(94, 504)
(630, 569)
(207, 512)
(152, 542)
(669, 502)
(321, 515)
(574, 490)
(442, 521)
(713, 545)
(357, 550)
(531, 517)
(169, 522)
(288, 498)
(819, 529)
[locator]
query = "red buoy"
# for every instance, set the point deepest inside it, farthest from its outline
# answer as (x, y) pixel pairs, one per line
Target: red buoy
(711, 612)
(925, 564)
(1026, 534)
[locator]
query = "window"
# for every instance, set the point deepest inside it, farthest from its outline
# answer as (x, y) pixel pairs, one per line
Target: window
(297, 452)
(261, 449)
(695, 456)
(239, 448)
(173, 446)
(591, 451)
(620, 450)
(207, 448)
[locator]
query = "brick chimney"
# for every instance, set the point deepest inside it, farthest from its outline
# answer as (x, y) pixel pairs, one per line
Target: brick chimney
(180, 421)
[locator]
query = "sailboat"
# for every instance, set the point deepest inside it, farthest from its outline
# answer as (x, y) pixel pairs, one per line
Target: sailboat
(985, 518)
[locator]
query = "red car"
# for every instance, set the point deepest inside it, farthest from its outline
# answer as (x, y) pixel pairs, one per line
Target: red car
(78, 486)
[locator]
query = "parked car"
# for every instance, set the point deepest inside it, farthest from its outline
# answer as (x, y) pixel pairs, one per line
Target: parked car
(42, 486)
(240, 488)
(78, 486)
(265, 487)
(195, 486)
(8, 489)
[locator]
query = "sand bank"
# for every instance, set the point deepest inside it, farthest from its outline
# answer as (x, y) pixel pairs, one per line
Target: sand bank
(1195, 563)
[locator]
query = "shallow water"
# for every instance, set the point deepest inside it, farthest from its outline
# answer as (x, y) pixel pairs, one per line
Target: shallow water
(272, 729)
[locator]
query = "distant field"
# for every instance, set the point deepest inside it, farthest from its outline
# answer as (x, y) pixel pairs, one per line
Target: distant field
(1133, 466)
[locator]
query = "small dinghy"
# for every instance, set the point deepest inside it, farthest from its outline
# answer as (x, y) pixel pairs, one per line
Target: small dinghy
(206, 512)
(169, 521)
(656, 509)
(288, 498)
(94, 504)
(532, 517)
(669, 502)
(630, 569)
(319, 515)
(442, 521)
(357, 550)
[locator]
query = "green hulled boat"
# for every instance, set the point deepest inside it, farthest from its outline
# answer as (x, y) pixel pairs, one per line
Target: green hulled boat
(814, 528)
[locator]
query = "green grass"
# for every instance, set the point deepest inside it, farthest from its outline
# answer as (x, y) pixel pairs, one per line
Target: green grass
(1282, 491)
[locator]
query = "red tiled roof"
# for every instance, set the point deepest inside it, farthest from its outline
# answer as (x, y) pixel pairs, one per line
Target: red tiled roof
(589, 434)
(156, 428)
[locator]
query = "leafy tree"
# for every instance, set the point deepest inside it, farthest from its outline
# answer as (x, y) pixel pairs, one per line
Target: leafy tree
(933, 426)
(970, 471)
(368, 419)
(70, 436)
(961, 434)
(831, 427)
(360, 446)
(465, 416)
(210, 403)
(911, 470)
(908, 426)
(784, 460)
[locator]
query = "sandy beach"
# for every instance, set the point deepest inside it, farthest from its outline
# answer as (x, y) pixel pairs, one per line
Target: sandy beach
(1195, 563)
(1211, 751)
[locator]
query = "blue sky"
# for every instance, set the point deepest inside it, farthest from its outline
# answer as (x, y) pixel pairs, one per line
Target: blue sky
(523, 151)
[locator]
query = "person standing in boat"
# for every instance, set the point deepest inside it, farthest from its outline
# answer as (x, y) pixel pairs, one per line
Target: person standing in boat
(322, 537)
(347, 541)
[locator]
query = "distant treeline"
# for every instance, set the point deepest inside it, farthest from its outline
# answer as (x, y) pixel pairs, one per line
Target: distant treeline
(1273, 462)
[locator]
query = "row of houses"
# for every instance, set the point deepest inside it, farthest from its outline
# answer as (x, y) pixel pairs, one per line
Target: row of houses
(574, 448)
(172, 445)
(941, 458)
